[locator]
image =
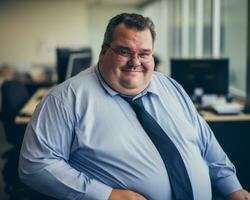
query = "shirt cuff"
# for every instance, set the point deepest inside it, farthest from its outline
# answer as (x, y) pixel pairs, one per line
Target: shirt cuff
(97, 191)
(228, 185)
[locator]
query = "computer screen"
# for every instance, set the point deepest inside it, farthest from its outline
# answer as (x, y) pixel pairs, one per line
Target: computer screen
(77, 63)
(62, 60)
(211, 75)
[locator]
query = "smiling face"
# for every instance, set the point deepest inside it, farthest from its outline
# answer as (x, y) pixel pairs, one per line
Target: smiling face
(128, 73)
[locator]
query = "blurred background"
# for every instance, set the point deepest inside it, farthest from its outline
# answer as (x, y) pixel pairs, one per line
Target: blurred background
(38, 36)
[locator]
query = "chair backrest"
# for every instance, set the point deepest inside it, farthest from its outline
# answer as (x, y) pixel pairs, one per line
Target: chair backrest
(77, 63)
(14, 96)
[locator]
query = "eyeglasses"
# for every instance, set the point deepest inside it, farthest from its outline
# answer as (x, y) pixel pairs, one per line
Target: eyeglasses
(126, 54)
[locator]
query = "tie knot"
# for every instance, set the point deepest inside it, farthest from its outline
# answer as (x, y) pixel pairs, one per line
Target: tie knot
(137, 103)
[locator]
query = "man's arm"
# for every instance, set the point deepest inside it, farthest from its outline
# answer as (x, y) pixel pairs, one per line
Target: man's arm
(43, 163)
(222, 172)
(239, 195)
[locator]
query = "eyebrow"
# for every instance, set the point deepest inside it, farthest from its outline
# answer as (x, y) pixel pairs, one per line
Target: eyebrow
(127, 48)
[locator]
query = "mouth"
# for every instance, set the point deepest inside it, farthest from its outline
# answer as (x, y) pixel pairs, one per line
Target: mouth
(133, 69)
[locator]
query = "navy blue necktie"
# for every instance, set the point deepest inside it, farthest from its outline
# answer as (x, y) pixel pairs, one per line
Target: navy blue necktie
(178, 176)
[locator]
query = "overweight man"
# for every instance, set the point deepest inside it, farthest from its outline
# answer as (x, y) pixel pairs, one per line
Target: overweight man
(120, 131)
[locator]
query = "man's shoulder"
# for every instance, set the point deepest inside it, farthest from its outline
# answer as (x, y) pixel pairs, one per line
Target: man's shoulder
(160, 78)
(165, 83)
(85, 80)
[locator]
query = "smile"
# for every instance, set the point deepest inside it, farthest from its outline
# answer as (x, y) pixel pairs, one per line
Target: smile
(134, 69)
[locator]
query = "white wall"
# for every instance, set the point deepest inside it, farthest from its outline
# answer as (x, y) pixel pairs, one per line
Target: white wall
(30, 30)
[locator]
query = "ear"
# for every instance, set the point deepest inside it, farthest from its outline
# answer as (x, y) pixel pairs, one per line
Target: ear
(104, 49)
(102, 53)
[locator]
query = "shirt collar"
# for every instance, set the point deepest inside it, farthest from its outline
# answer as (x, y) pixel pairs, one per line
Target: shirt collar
(152, 89)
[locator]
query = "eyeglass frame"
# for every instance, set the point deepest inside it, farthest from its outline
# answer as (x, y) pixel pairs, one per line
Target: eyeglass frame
(129, 55)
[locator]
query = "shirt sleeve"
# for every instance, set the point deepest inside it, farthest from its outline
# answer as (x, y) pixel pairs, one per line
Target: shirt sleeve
(221, 170)
(43, 163)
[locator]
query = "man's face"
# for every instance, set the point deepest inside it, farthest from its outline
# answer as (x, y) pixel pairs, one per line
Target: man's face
(127, 63)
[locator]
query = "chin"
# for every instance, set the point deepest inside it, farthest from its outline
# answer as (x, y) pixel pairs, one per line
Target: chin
(134, 88)
(132, 85)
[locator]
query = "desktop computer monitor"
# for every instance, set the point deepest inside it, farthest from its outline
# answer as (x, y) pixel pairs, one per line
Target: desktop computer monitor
(62, 60)
(211, 75)
(77, 63)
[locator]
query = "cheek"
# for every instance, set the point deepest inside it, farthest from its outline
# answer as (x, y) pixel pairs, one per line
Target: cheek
(149, 67)
(101, 59)
(115, 66)
(110, 67)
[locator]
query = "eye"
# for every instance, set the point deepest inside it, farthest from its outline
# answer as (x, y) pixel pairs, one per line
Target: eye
(123, 52)
(144, 55)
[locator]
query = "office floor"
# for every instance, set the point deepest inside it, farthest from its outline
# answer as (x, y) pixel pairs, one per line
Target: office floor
(4, 146)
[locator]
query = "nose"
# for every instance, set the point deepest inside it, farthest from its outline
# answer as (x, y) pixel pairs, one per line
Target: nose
(134, 61)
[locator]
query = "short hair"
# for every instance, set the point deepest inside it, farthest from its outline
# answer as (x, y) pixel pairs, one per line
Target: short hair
(131, 20)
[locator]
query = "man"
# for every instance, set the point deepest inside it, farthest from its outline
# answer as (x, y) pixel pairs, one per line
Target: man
(85, 140)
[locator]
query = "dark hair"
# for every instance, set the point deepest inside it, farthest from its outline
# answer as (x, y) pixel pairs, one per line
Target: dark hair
(131, 21)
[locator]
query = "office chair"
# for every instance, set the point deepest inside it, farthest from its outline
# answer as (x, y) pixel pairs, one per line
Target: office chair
(14, 96)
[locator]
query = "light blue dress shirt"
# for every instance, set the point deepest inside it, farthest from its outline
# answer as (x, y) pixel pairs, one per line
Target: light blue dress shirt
(84, 139)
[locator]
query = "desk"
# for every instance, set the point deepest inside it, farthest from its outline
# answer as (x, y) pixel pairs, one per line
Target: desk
(210, 116)
(26, 112)
(234, 138)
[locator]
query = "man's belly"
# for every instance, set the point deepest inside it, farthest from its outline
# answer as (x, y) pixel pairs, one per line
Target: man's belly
(145, 176)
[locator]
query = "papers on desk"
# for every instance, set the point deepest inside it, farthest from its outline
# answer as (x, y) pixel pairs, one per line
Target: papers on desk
(219, 105)
(228, 108)
(211, 99)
